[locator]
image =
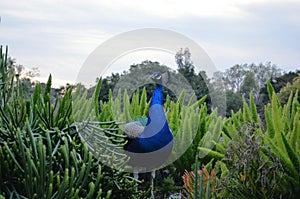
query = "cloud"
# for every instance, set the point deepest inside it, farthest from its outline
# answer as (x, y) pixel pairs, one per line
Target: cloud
(51, 40)
(57, 36)
(269, 33)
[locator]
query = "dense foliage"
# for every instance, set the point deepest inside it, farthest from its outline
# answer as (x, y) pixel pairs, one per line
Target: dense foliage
(41, 154)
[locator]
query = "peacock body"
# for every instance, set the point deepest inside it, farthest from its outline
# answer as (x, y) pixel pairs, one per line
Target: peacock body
(152, 147)
(151, 139)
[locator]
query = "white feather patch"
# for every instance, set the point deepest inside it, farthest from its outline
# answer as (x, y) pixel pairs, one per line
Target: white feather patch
(133, 129)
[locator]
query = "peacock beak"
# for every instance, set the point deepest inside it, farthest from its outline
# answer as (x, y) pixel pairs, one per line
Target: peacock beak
(153, 76)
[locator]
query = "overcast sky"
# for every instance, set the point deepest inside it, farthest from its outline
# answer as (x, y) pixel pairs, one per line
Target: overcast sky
(57, 36)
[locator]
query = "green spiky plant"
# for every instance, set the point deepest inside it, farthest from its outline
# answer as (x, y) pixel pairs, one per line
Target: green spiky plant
(41, 154)
(191, 122)
(283, 136)
(47, 161)
(251, 170)
(279, 138)
(184, 123)
(41, 157)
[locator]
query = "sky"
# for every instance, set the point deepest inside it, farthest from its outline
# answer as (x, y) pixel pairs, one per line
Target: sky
(58, 36)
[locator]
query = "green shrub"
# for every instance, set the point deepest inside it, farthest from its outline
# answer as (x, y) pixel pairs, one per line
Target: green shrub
(283, 136)
(251, 169)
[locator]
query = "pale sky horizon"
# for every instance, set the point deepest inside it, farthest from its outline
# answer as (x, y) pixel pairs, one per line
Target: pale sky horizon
(58, 36)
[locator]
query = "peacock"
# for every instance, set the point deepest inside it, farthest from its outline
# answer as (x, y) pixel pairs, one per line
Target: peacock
(146, 144)
(150, 139)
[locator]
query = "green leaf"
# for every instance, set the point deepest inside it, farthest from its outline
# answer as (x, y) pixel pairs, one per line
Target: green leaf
(295, 159)
(269, 122)
(270, 89)
(246, 112)
(96, 97)
(282, 155)
(253, 109)
(47, 91)
(12, 156)
(211, 153)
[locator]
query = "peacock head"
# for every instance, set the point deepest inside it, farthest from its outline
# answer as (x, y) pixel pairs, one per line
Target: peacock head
(161, 78)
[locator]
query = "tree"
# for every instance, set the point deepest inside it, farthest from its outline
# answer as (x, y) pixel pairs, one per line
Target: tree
(183, 58)
(277, 83)
(241, 79)
(249, 85)
(290, 87)
(108, 83)
(264, 72)
(22, 76)
(199, 82)
(134, 79)
(234, 77)
(234, 102)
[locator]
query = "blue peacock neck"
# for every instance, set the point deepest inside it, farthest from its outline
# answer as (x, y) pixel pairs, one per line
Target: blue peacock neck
(157, 96)
(157, 128)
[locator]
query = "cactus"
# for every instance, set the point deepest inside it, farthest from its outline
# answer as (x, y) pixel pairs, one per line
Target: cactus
(41, 154)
